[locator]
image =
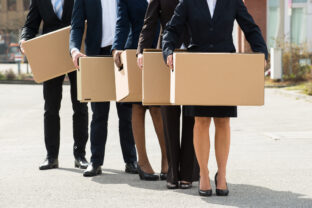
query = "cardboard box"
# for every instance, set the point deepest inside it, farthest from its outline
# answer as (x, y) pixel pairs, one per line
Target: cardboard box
(217, 79)
(49, 56)
(156, 79)
(128, 79)
(96, 79)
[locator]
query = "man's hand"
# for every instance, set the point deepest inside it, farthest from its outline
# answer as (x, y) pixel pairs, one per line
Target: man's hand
(170, 61)
(21, 46)
(117, 59)
(140, 61)
(75, 56)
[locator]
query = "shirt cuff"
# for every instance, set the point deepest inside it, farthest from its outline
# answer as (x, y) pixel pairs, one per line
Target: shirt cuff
(73, 50)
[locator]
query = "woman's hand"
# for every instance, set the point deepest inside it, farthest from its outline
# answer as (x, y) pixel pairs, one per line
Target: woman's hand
(140, 61)
(170, 61)
(117, 59)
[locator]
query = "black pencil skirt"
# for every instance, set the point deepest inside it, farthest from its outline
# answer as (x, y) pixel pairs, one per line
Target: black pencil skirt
(211, 111)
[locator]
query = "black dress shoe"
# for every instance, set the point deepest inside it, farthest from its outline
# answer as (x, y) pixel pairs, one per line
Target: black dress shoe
(92, 170)
(163, 176)
(184, 185)
(132, 168)
(172, 185)
(204, 192)
(49, 163)
(221, 192)
(81, 162)
(147, 176)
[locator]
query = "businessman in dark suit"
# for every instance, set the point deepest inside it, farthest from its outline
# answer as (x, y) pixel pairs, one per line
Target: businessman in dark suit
(211, 25)
(183, 165)
(101, 17)
(56, 14)
(129, 25)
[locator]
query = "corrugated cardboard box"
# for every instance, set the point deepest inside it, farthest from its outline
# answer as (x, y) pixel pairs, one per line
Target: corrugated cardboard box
(49, 56)
(128, 78)
(217, 79)
(156, 79)
(96, 79)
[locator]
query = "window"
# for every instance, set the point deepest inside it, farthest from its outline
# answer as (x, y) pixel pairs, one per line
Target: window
(299, 26)
(273, 22)
(26, 4)
(11, 5)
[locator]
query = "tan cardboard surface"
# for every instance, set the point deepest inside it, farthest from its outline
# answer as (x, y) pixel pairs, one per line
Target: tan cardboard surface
(129, 79)
(156, 79)
(49, 56)
(96, 79)
(218, 79)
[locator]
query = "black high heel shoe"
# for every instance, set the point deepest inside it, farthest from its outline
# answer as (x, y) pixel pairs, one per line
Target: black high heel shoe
(204, 192)
(163, 176)
(147, 176)
(221, 192)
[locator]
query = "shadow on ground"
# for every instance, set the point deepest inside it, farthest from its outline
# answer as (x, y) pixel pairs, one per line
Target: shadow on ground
(241, 195)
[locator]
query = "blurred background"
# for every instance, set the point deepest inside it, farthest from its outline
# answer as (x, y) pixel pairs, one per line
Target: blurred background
(285, 24)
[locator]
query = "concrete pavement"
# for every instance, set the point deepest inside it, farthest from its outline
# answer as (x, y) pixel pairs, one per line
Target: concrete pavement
(270, 161)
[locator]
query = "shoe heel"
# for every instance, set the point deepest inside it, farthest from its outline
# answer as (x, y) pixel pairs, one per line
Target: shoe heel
(77, 166)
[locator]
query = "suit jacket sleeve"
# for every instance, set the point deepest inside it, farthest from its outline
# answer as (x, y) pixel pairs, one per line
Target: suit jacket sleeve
(122, 26)
(77, 25)
(174, 29)
(251, 30)
(150, 26)
(32, 24)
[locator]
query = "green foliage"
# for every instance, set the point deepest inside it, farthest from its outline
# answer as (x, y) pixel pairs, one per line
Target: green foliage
(10, 75)
(308, 89)
(293, 70)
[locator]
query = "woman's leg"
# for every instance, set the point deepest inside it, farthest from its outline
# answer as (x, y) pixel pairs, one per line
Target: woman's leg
(202, 149)
(222, 148)
(158, 124)
(138, 128)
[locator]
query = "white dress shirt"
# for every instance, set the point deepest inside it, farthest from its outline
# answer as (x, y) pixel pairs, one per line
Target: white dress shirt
(109, 18)
(212, 6)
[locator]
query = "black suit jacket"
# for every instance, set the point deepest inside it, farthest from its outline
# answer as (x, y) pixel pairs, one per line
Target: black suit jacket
(90, 11)
(42, 11)
(158, 10)
(212, 34)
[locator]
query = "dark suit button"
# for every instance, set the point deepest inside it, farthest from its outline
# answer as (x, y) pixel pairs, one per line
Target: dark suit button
(211, 45)
(211, 29)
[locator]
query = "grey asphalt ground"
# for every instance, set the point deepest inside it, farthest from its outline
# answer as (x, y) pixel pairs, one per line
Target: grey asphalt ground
(270, 162)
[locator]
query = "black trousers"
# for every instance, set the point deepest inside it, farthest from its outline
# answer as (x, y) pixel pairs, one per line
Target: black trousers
(182, 161)
(99, 128)
(52, 92)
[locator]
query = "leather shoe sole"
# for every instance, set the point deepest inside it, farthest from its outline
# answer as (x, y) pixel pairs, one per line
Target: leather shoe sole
(80, 166)
(48, 167)
(92, 174)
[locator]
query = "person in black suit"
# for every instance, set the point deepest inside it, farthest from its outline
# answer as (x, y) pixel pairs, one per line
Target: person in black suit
(183, 167)
(211, 25)
(129, 25)
(56, 14)
(101, 16)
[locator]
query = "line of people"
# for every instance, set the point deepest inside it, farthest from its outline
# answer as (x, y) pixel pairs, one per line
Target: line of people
(117, 25)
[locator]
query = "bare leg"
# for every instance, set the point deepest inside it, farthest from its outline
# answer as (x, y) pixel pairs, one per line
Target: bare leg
(138, 127)
(222, 148)
(202, 149)
(158, 124)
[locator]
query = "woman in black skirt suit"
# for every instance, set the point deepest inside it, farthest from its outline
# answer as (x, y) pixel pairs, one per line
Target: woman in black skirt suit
(211, 25)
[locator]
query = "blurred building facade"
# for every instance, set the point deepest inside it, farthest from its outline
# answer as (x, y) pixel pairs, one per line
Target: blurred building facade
(12, 18)
(290, 21)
